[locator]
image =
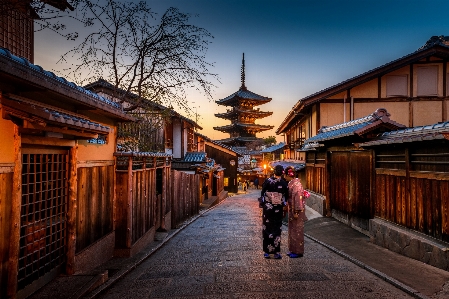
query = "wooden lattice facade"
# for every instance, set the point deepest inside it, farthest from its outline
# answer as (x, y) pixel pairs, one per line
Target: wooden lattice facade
(17, 30)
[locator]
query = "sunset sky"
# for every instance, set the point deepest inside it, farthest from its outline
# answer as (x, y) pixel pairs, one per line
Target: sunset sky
(293, 48)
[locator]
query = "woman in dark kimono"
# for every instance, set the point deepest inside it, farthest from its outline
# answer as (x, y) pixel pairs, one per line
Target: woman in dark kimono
(296, 213)
(274, 194)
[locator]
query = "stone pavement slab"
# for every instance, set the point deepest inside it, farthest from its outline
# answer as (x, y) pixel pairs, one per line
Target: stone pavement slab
(219, 255)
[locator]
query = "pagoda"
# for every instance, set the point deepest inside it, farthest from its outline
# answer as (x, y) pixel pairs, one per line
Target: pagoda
(242, 115)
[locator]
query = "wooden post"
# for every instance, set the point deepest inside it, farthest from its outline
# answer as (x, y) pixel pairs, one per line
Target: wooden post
(16, 203)
(129, 221)
(71, 215)
(164, 198)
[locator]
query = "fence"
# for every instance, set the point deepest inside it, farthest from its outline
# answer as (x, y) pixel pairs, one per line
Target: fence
(150, 197)
(412, 187)
(186, 192)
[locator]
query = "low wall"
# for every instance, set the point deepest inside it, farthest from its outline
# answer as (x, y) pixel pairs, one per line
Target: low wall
(409, 243)
(96, 254)
(316, 202)
(357, 223)
(145, 240)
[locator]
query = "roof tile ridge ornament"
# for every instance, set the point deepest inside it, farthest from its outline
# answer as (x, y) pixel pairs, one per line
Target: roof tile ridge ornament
(243, 87)
(436, 40)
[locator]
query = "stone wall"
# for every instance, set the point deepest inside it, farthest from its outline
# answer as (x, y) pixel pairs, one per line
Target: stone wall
(409, 243)
(316, 202)
(357, 223)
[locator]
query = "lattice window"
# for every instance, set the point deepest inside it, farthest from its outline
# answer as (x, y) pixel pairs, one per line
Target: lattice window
(43, 213)
(16, 32)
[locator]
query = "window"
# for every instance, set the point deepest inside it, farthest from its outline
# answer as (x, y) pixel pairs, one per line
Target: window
(396, 85)
(427, 80)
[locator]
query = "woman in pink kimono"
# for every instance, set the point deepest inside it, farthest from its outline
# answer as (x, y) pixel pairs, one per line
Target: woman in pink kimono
(296, 213)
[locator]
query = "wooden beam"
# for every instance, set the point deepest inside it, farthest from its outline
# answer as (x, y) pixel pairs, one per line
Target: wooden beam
(63, 130)
(13, 261)
(71, 215)
(129, 213)
(39, 140)
(379, 88)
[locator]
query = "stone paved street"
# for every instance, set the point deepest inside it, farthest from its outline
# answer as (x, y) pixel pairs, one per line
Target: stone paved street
(219, 256)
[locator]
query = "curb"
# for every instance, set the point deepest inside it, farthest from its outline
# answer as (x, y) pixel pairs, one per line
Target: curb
(379, 274)
(120, 274)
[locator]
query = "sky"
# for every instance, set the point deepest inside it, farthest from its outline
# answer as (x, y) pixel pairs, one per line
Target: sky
(293, 48)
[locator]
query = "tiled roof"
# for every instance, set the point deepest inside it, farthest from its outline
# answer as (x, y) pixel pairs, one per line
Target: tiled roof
(243, 94)
(415, 134)
(355, 127)
(44, 114)
(132, 97)
(196, 157)
(5, 53)
(142, 154)
(243, 125)
(284, 163)
(273, 148)
(422, 52)
(217, 143)
(240, 138)
(237, 111)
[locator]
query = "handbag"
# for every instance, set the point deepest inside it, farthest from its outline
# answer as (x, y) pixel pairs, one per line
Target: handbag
(274, 197)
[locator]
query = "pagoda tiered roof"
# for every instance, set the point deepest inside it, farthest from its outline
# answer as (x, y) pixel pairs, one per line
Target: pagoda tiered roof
(243, 127)
(236, 111)
(237, 140)
(243, 95)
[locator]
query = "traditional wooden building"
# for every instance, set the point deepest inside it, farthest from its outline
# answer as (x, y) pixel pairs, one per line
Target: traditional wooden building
(158, 129)
(339, 172)
(274, 152)
(242, 115)
(223, 155)
(212, 178)
(57, 176)
(410, 198)
(413, 88)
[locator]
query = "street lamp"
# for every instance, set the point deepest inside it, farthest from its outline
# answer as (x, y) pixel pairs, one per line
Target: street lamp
(265, 169)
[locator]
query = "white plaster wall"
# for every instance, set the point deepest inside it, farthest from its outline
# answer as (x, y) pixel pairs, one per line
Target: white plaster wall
(177, 140)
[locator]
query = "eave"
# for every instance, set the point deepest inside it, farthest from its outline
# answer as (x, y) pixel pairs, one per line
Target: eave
(20, 77)
(436, 50)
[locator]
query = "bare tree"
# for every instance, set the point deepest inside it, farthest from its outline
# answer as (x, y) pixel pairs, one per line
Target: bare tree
(150, 59)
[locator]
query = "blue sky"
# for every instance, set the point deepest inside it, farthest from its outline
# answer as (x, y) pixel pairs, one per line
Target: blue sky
(293, 48)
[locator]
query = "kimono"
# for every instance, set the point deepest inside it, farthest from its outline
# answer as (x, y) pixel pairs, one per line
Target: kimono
(296, 216)
(272, 214)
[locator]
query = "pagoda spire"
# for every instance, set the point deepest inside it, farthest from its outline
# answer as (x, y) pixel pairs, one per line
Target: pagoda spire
(243, 87)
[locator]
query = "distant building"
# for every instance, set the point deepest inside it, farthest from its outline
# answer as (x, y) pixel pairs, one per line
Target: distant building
(242, 115)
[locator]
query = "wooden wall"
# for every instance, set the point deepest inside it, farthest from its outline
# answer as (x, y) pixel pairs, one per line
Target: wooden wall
(94, 213)
(230, 171)
(350, 182)
(316, 172)
(185, 196)
(6, 184)
(135, 210)
(142, 197)
(412, 187)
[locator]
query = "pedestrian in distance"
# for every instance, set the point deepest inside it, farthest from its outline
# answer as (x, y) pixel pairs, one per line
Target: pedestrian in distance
(296, 213)
(274, 194)
(256, 183)
(244, 186)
